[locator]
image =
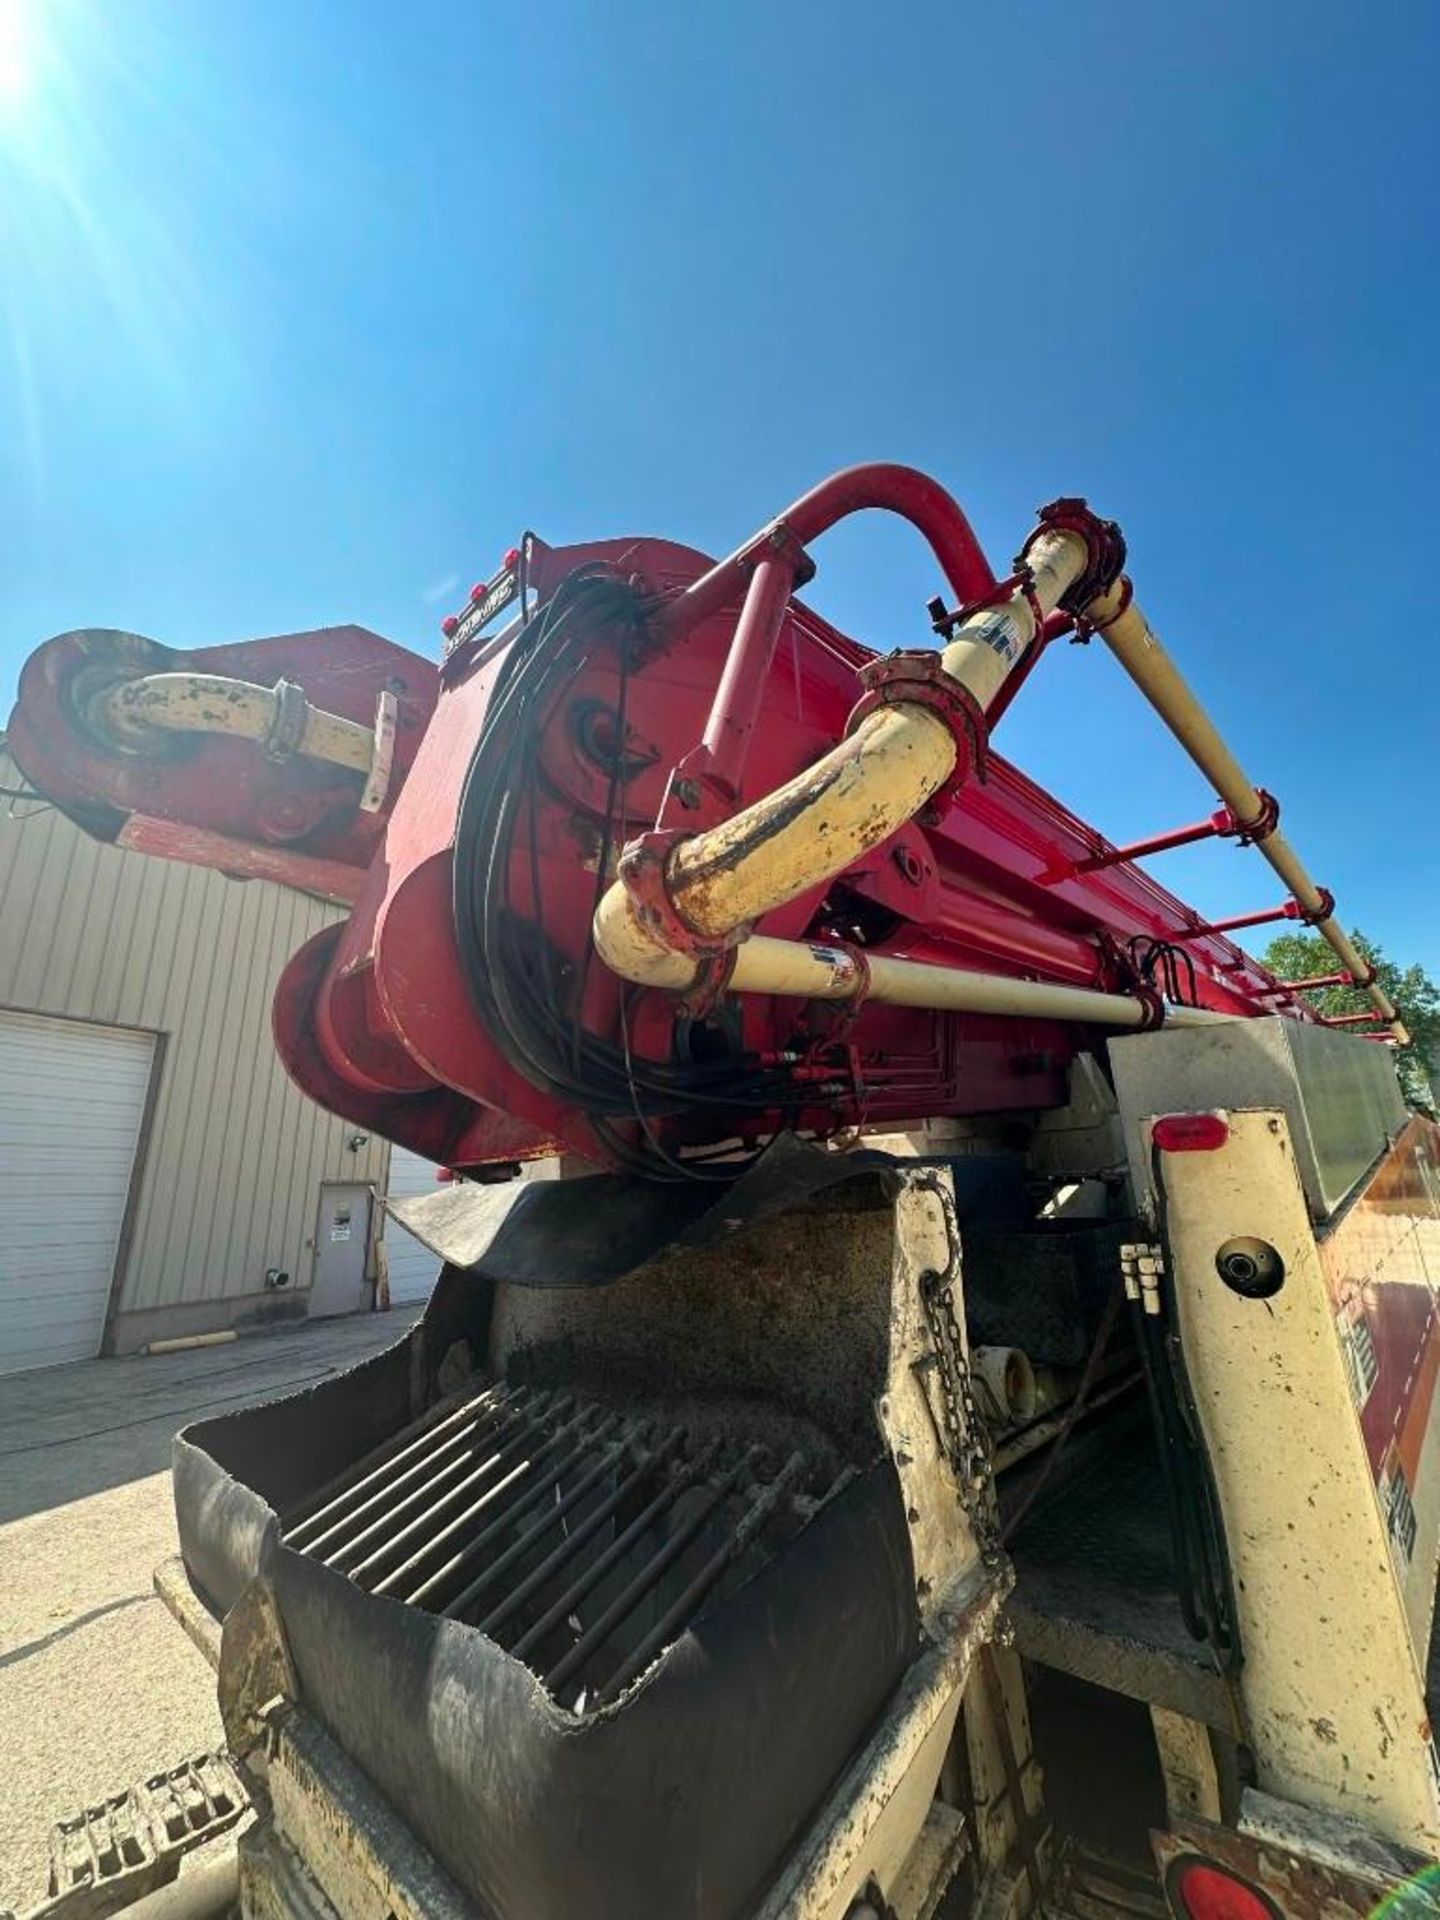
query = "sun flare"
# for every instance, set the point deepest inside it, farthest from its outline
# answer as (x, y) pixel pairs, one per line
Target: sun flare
(16, 63)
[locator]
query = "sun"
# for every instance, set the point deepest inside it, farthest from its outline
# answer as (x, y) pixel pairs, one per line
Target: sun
(16, 66)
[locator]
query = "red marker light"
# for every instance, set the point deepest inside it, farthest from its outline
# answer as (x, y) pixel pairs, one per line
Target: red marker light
(444, 1173)
(1205, 1891)
(1190, 1132)
(450, 625)
(512, 558)
(478, 592)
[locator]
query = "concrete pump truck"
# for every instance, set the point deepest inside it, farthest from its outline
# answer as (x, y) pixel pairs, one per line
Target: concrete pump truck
(957, 1437)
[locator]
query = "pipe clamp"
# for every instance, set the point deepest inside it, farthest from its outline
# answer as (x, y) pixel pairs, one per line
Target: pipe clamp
(1104, 543)
(1249, 833)
(287, 729)
(916, 678)
(643, 871)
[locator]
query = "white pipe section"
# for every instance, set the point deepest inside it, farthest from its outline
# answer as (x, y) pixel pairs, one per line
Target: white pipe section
(1008, 1380)
(793, 968)
(851, 800)
(1138, 648)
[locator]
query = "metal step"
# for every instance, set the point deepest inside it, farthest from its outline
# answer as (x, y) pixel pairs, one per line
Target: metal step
(107, 1855)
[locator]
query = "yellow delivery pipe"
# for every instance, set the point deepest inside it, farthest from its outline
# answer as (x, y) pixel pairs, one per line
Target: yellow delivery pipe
(1138, 648)
(851, 800)
(214, 703)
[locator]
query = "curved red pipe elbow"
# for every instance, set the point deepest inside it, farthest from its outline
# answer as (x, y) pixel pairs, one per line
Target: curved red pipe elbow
(881, 485)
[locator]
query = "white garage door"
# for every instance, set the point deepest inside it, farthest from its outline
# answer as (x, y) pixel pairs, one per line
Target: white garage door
(413, 1268)
(71, 1101)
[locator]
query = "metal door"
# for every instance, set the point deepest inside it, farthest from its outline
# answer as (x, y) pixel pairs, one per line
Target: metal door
(342, 1246)
(72, 1101)
(413, 1268)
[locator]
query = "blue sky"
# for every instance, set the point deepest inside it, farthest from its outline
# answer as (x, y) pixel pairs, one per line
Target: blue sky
(305, 310)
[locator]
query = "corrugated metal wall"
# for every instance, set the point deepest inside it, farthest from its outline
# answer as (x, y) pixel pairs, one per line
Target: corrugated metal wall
(236, 1154)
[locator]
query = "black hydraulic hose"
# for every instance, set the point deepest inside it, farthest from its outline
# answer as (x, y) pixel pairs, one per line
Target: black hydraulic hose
(1170, 1481)
(1206, 1506)
(1192, 1498)
(507, 963)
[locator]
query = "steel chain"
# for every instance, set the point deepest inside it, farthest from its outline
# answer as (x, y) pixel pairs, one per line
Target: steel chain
(964, 1436)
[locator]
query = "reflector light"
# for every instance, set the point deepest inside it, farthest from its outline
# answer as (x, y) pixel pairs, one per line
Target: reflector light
(1200, 1890)
(1190, 1132)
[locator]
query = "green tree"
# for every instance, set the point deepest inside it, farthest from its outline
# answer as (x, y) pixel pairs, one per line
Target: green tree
(1300, 956)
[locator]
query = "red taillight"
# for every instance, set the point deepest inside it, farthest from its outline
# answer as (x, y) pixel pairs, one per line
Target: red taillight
(444, 1173)
(1190, 1132)
(1200, 1890)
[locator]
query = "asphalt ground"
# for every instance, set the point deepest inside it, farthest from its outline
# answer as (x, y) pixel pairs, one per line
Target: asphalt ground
(98, 1685)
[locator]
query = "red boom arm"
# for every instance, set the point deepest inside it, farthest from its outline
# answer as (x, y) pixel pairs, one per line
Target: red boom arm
(460, 1009)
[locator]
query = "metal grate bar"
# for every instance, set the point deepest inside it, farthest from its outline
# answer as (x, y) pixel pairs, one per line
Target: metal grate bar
(509, 1507)
(534, 1534)
(684, 1605)
(517, 1435)
(384, 1512)
(531, 1509)
(591, 1574)
(572, 1543)
(332, 1499)
(599, 1631)
(378, 1488)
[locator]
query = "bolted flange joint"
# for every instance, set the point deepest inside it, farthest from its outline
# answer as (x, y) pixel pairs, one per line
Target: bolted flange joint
(1104, 543)
(643, 871)
(1249, 833)
(1326, 908)
(1152, 1001)
(914, 677)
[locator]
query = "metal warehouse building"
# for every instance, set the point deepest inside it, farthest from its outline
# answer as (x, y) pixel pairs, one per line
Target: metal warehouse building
(158, 1171)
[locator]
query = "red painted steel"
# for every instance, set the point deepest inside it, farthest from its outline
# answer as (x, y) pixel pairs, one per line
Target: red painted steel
(740, 696)
(1315, 982)
(879, 486)
(1220, 824)
(375, 1018)
(218, 785)
(1288, 910)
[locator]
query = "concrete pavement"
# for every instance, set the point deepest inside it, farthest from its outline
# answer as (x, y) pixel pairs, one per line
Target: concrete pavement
(98, 1685)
